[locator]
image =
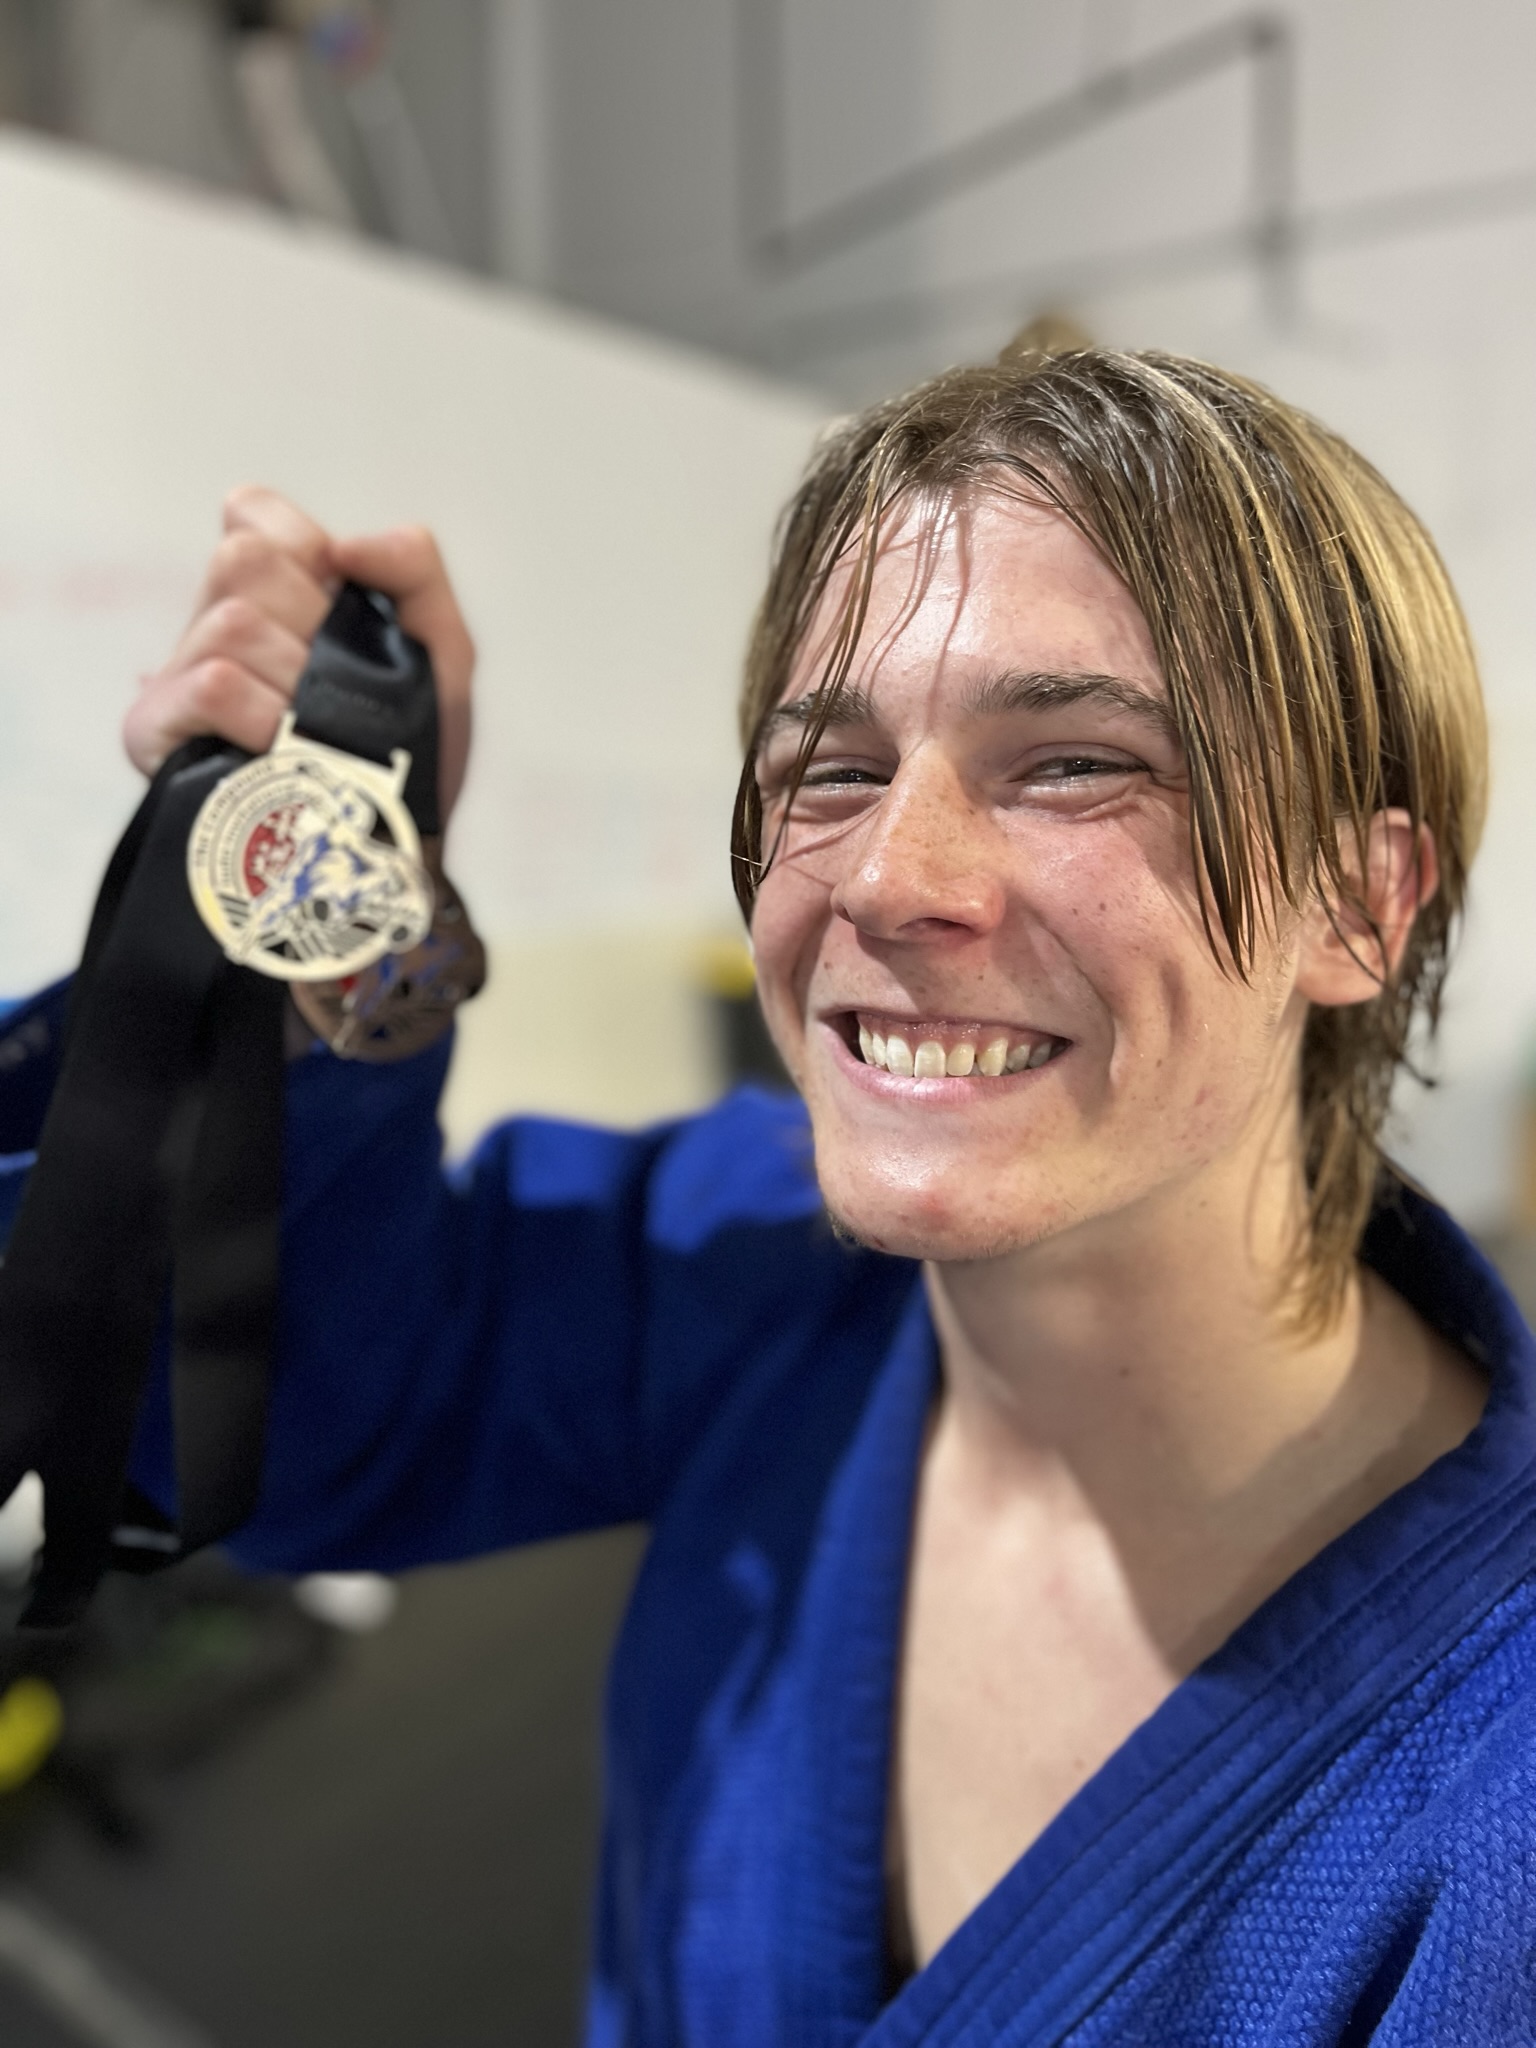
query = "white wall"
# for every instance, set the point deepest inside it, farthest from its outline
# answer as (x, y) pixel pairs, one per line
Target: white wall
(605, 502)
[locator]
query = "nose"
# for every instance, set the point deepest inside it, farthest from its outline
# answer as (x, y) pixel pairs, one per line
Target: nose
(923, 866)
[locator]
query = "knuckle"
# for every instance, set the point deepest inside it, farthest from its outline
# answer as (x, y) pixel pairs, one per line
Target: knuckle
(234, 622)
(419, 546)
(241, 555)
(243, 499)
(213, 687)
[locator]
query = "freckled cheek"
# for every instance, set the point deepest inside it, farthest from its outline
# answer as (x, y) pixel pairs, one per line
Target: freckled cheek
(1109, 933)
(1198, 1067)
(1165, 1006)
(1096, 896)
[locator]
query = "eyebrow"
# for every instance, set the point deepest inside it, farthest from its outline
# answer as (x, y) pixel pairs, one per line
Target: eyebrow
(851, 706)
(996, 696)
(1052, 690)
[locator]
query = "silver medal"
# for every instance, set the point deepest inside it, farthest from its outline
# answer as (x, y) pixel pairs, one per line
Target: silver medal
(305, 863)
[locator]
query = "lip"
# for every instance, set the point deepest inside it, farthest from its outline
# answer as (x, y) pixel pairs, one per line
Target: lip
(941, 1091)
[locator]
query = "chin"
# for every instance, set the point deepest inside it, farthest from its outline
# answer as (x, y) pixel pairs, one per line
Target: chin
(938, 1221)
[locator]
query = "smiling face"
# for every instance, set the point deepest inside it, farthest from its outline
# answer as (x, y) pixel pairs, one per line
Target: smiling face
(979, 942)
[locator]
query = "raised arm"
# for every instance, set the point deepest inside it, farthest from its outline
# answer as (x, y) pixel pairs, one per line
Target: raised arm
(530, 1344)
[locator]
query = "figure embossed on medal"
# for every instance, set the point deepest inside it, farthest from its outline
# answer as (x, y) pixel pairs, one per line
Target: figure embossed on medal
(305, 864)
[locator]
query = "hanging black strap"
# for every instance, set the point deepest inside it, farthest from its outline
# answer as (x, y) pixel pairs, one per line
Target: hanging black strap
(160, 1162)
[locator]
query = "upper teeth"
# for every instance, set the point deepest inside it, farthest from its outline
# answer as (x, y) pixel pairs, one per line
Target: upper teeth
(993, 1054)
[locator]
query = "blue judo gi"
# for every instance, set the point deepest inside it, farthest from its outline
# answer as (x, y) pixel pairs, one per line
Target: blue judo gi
(1326, 1835)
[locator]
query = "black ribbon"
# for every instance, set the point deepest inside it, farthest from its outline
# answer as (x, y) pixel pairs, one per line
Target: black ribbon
(160, 1164)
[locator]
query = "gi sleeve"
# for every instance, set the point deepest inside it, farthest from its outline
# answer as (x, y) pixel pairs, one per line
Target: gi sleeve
(519, 1347)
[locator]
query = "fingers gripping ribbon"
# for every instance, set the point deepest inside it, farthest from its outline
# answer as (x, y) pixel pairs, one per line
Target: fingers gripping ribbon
(314, 869)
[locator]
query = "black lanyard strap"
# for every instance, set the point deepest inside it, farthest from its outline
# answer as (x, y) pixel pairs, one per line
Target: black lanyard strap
(371, 692)
(159, 1161)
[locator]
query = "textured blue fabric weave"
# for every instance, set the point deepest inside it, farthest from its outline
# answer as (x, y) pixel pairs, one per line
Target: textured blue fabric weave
(1327, 1835)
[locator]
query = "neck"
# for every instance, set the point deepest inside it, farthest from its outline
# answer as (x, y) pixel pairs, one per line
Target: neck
(1142, 1373)
(1163, 1326)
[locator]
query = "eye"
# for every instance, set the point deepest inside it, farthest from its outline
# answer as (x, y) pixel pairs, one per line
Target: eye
(827, 787)
(1067, 769)
(833, 792)
(836, 775)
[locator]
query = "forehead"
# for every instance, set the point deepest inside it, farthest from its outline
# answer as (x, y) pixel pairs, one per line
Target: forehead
(987, 582)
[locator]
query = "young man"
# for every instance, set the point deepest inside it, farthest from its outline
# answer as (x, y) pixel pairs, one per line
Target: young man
(1089, 1599)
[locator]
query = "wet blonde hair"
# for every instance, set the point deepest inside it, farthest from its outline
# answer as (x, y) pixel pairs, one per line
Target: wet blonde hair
(1317, 665)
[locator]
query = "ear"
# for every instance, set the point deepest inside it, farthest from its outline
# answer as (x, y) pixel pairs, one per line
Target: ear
(1341, 958)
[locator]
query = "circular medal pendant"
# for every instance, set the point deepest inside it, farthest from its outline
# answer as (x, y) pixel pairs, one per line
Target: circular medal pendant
(305, 863)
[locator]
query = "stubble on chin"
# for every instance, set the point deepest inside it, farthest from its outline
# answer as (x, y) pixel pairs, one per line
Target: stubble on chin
(852, 1239)
(1002, 1241)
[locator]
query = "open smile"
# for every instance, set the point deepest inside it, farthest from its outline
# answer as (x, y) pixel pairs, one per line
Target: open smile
(929, 1049)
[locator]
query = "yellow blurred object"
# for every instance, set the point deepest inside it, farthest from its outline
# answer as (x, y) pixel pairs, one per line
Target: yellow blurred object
(725, 969)
(542, 1039)
(31, 1722)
